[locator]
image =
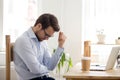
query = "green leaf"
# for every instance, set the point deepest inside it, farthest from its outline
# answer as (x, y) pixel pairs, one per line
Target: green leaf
(58, 66)
(54, 50)
(70, 62)
(63, 60)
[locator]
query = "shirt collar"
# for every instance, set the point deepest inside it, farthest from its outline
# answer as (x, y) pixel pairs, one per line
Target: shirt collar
(31, 33)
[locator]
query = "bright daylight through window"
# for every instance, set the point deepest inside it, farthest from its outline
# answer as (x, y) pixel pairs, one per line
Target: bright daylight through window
(103, 17)
(18, 15)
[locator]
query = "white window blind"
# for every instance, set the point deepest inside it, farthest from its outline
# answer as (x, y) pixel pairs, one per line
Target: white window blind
(101, 14)
(18, 16)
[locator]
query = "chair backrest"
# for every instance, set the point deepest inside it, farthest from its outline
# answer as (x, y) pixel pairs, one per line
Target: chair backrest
(9, 56)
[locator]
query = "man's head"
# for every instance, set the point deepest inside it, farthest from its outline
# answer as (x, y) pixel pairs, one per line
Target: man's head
(45, 26)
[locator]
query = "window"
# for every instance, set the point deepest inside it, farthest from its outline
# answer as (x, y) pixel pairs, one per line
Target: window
(101, 14)
(18, 16)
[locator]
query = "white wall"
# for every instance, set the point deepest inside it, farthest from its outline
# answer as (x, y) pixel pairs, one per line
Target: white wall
(69, 14)
(1, 23)
(73, 28)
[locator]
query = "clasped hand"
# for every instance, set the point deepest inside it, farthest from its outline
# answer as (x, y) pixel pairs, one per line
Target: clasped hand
(61, 39)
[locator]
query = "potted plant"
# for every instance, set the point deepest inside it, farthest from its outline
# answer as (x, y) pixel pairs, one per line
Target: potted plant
(101, 36)
(65, 62)
(117, 40)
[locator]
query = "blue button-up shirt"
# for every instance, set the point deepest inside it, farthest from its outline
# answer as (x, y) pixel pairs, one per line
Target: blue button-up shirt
(32, 57)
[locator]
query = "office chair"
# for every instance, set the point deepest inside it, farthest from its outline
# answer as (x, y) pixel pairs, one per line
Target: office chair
(9, 56)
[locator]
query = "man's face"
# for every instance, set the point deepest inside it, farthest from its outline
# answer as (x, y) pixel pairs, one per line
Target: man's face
(45, 34)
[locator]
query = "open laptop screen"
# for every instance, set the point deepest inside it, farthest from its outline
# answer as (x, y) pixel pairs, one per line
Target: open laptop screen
(110, 62)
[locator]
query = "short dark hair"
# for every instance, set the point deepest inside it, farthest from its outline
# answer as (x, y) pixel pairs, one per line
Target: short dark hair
(48, 20)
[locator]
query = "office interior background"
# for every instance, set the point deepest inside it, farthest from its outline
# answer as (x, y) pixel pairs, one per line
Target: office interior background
(80, 20)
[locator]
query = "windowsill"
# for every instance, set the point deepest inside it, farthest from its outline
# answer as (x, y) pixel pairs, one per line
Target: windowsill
(2, 59)
(2, 52)
(104, 44)
(3, 67)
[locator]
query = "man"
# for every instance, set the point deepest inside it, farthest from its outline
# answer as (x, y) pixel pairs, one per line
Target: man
(32, 59)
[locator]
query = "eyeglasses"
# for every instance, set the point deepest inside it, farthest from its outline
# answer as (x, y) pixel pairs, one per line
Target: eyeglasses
(46, 34)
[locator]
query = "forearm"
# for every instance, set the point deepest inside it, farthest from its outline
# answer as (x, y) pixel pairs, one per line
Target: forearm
(53, 61)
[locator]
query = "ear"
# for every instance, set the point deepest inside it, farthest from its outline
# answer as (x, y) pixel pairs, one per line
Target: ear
(40, 25)
(37, 27)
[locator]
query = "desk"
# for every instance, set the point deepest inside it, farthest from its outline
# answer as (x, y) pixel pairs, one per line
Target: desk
(76, 74)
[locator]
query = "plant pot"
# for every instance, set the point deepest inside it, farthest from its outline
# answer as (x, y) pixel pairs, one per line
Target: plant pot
(101, 38)
(117, 41)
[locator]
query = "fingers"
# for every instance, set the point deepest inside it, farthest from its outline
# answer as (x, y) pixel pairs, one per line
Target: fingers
(60, 35)
(61, 39)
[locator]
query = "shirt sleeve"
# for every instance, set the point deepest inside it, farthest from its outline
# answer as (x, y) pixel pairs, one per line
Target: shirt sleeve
(52, 61)
(26, 53)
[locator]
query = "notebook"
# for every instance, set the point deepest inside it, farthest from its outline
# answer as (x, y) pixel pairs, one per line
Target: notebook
(110, 62)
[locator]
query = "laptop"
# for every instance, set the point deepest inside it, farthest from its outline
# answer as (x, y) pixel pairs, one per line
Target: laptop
(110, 62)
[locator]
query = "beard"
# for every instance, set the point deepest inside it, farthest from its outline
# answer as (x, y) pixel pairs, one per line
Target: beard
(39, 39)
(39, 36)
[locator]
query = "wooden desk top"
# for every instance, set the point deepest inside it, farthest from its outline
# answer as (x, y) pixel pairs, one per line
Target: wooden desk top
(77, 74)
